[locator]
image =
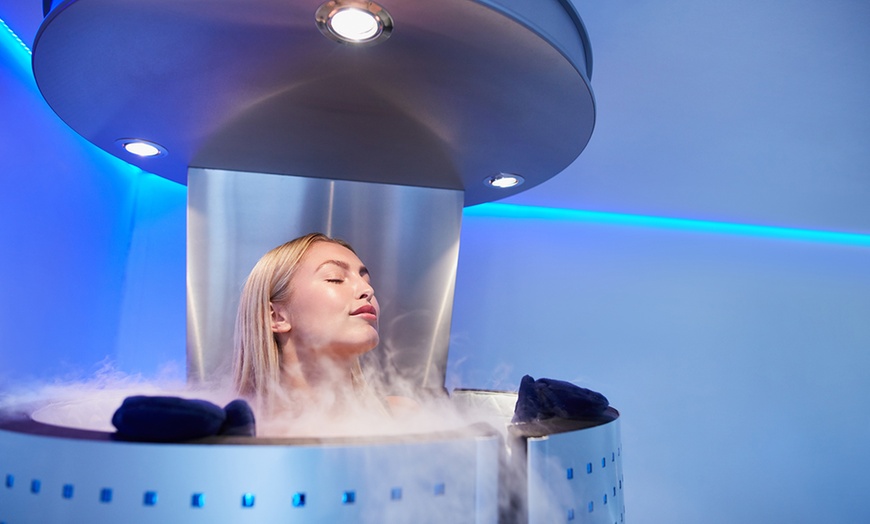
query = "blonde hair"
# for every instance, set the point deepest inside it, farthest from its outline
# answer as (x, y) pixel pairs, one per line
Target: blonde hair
(257, 356)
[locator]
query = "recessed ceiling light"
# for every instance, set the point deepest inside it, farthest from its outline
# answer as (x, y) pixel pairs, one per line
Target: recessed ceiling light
(354, 22)
(504, 180)
(142, 148)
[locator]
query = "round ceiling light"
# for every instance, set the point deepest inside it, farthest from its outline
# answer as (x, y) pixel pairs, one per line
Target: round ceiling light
(142, 148)
(504, 180)
(354, 22)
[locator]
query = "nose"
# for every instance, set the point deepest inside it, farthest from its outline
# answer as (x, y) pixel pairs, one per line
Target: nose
(367, 292)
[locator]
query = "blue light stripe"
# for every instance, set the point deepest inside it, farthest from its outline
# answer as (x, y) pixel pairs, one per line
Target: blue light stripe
(572, 215)
(17, 50)
(15, 38)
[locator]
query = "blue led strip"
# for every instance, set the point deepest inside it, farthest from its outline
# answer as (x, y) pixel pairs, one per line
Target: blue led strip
(572, 215)
(16, 49)
(20, 42)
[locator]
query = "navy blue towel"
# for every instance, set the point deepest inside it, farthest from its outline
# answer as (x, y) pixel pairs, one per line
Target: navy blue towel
(547, 398)
(240, 420)
(175, 419)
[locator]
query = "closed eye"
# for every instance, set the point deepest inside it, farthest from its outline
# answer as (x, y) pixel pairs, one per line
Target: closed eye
(335, 280)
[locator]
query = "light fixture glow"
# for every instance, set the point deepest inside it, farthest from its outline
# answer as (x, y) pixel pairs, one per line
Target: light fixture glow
(354, 22)
(142, 148)
(504, 180)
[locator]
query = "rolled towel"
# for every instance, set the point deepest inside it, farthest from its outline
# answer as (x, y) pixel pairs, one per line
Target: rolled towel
(547, 398)
(240, 420)
(167, 419)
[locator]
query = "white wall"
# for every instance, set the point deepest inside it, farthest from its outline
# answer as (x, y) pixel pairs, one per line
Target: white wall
(741, 365)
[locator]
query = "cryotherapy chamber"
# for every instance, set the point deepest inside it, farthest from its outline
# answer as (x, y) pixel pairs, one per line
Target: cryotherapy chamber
(282, 117)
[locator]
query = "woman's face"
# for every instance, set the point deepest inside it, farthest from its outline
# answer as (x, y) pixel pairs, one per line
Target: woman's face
(332, 310)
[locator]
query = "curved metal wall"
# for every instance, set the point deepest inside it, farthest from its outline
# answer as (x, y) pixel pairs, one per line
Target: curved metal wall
(408, 237)
(461, 91)
(46, 479)
(57, 474)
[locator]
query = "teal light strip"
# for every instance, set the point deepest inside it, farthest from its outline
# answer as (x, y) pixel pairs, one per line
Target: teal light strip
(570, 215)
(15, 37)
(16, 49)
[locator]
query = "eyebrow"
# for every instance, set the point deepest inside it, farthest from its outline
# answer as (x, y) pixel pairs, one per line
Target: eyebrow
(344, 265)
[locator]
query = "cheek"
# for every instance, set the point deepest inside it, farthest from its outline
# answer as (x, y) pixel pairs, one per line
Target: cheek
(311, 309)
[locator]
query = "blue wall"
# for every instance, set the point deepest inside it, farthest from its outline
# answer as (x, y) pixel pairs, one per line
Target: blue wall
(740, 363)
(92, 264)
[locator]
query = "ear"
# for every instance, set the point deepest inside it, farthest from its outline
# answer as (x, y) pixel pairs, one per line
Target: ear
(280, 319)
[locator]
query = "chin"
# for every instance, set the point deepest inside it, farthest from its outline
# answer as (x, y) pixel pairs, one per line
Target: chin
(371, 341)
(358, 348)
(369, 346)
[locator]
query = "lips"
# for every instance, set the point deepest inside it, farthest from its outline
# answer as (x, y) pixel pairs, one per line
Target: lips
(367, 309)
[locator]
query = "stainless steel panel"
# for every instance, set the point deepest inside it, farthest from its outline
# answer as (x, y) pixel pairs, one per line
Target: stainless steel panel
(407, 236)
(461, 91)
(446, 477)
(576, 476)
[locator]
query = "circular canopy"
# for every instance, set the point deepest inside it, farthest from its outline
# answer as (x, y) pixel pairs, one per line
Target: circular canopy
(460, 91)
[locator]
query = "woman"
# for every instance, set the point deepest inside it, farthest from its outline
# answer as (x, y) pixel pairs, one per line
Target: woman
(307, 312)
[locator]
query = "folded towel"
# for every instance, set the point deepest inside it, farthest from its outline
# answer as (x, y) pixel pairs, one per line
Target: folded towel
(547, 398)
(175, 419)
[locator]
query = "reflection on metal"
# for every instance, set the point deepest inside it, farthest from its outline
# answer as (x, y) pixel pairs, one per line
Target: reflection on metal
(407, 236)
(460, 90)
(560, 470)
(555, 470)
(557, 490)
(86, 477)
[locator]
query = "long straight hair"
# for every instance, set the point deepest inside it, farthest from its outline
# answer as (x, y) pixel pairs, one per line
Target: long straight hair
(257, 356)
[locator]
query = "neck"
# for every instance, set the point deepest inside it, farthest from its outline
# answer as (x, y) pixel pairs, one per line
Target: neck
(308, 371)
